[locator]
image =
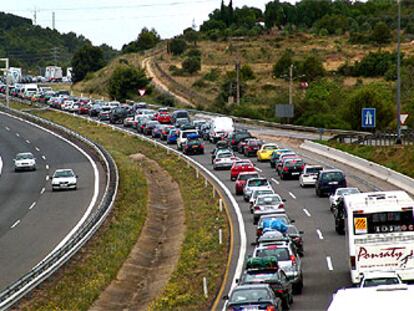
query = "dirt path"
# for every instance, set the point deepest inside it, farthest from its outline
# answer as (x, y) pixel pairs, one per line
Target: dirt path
(155, 255)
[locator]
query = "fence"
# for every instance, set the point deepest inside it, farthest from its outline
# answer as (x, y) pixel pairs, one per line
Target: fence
(385, 138)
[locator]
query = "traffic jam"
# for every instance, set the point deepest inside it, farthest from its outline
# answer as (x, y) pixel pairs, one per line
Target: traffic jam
(273, 270)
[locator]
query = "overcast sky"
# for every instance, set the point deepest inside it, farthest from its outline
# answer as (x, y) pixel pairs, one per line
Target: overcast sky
(116, 22)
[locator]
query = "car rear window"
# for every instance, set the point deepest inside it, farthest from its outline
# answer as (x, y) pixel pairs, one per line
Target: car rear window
(224, 155)
(313, 170)
(260, 277)
(332, 176)
(249, 294)
(185, 134)
(258, 182)
(281, 253)
(247, 176)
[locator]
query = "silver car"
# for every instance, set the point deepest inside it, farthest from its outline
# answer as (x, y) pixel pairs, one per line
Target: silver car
(25, 161)
(267, 204)
(255, 184)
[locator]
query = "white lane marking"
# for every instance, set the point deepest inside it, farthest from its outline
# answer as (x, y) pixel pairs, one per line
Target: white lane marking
(292, 195)
(17, 134)
(1, 165)
(7, 129)
(15, 224)
(258, 169)
(47, 166)
(37, 149)
(27, 141)
(43, 190)
(33, 205)
(275, 181)
(319, 232)
(307, 212)
(43, 157)
(47, 177)
(329, 262)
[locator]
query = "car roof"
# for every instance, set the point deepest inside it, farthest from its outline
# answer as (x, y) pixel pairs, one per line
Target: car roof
(252, 286)
(333, 170)
(63, 170)
(380, 274)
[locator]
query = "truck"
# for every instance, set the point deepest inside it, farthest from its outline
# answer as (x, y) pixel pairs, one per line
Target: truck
(53, 73)
(15, 75)
(383, 297)
(220, 128)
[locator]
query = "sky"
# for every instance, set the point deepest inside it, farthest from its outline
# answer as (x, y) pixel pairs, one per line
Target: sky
(116, 22)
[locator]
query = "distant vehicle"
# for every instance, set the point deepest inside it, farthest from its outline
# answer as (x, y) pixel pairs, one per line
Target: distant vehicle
(64, 179)
(328, 181)
(378, 278)
(180, 114)
(235, 137)
(379, 228)
(172, 136)
(241, 180)
(340, 192)
(252, 147)
(24, 161)
(118, 114)
(53, 73)
(265, 152)
(255, 184)
(193, 145)
(182, 137)
(224, 160)
(164, 117)
(309, 175)
(220, 128)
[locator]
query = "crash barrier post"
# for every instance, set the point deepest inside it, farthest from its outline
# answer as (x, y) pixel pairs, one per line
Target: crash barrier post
(220, 205)
(205, 287)
(220, 236)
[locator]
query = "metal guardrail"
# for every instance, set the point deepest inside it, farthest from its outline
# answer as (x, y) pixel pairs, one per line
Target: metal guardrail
(13, 293)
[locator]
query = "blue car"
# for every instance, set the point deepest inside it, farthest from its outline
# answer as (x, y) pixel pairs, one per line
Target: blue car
(172, 137)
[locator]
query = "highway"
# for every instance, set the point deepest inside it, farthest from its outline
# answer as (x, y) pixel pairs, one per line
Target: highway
(33, 219)
(325, 263)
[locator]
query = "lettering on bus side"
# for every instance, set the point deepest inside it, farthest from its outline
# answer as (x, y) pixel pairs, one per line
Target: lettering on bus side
(401, 254)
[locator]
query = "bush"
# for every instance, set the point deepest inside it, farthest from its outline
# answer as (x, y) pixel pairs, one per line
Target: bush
(212, 75)
(177, 46)
(381, 33)
(312, 67)
(200, 83)
(247, 73)
(125, 82)
(191, 65)
(282, 66)
(374, 64)
(194, 53)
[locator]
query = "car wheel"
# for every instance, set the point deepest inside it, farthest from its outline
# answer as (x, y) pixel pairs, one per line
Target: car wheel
(318, 193)
(282, 177)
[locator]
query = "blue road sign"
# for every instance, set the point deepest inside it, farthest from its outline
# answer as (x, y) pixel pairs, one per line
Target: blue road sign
(368, 117)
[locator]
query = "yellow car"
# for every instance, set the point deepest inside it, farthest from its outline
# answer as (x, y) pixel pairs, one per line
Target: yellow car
(265, 152)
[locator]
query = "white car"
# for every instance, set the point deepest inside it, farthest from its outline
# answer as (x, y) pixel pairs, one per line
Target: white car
(64, 179)
(377, 278)
(258, 192)
(340, 192)
(182, 137)
(224, 160)
(24, 161)
(267, 204)
(255, 184)
(309, 175)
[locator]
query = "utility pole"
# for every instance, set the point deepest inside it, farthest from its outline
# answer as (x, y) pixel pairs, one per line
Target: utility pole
(55, 56)
(53, 20)
(35, 16)
(238, 82)
(398, 141)
(6, 70)
(290, 84)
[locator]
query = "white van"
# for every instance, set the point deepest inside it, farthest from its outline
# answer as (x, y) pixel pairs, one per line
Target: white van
(221, 127)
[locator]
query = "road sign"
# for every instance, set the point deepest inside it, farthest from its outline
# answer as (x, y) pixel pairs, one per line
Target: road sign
(141, 92)
(403, 118)
(368, 117)
(284, 111)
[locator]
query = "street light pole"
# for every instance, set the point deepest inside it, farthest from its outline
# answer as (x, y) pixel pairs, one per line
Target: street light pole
(6, 70)
(290, 83)
(398, 141)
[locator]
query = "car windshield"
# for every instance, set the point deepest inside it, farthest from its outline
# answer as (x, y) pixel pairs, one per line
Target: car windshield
(172, 132)
(242, 163)
(270, 200)
(380, 281)
(262, 192)
(194, 142)
(247, 176)
(332, 176)
(347, 191)
(258, 182)
(269, 147)
(24, 156)
(313, 170)
(65, 173)
(185, 134)
(281, 253)
(249, 294)
(224, 155)
(259, 277)
(292, 230)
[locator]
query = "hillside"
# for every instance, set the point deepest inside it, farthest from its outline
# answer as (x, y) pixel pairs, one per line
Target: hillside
(31, 46)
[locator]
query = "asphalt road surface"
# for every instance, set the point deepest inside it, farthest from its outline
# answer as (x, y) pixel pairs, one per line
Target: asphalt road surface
(33, 219)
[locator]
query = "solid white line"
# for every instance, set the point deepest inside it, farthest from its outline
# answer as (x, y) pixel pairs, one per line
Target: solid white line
(275, 181)
(258, 169)
(37, 149)
(17, 134)
(319, 234)
(33, 205)
(27, 141)
(307, 212)
(47, 177)
(329, 262)
(47, 166)
(7, 129)
(15, 224)
(43, 190)
(43, 157)
(292, 195)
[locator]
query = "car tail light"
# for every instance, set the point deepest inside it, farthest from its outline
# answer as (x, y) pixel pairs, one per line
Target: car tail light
(281, 205)
(353, 263)
(270, 308)
(279, 291)
(257, 208)
(302, 167)
(250, 148)
(285, 169)
(233, 142)
(259, 231)
(293, 259)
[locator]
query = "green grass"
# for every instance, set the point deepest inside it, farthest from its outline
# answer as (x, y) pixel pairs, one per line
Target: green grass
(397, 158)
(85, 277)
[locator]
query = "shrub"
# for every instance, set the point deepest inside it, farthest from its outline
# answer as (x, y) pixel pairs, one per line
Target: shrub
(165, 100)
(212, 75)
(312, 67)
(246, 72)
(177, 46)
(282, 66)
(200, 83)
(191, 65)
(194, 53)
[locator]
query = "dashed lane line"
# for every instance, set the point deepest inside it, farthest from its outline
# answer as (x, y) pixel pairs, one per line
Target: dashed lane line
(47, 166)
(319, 234)
(275, 181)
(37, 149)
(33, 205)
(329, 262)
(17, 134)
(47, 177)
(15, 224)
(258, 169)
(292, 195)
(43, 157)
(7, 129)
(27, 141)
(307, 212)
(43, 190)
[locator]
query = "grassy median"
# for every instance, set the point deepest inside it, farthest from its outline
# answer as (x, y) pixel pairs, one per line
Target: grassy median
(82, 280)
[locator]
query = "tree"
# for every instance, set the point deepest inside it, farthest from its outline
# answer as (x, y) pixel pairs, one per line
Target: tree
(191, 36)
(147, 39)
(125, 82)
(191, 64)
(381, 34)
(246, 73)
(282, 66)
(177, 46)
(312, 67)
(87, 59)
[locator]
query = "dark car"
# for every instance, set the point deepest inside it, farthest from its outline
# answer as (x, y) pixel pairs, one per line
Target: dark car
(277, 280)
(193, 145)
(339, 216)
(205, 131)
(253, 297)
(149, 126)
(276, 155)
(165, 131)
(237, 136)
(296, 236)
(104, 113)
(118, 114)
(328, 181)
(292, 168)
(95, 110)
(252, 146)
(179, 114)
(156, 131)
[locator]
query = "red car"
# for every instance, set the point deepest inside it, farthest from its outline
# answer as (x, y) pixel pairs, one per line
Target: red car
(241, 166)
(163, 117)
(242, 179)
(84, 109)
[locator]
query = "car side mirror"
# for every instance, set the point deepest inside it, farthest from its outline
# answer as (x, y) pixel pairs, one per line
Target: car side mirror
(237, 281)
(283, 200)
(225, 297)
(301, 232)
(77, 176)
(292, 221)
(253, 244)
